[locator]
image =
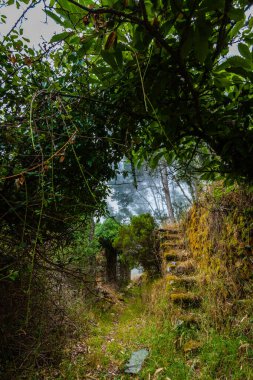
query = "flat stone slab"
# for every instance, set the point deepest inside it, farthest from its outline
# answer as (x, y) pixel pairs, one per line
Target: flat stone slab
(135, 362)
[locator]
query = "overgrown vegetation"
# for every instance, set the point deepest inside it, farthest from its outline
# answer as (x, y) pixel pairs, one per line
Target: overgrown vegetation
(136, 241)
(147, 322)
(219, 231)
(152, 83)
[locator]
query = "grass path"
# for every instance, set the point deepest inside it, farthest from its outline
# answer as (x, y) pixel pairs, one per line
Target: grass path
(118, 332)
(143, 321)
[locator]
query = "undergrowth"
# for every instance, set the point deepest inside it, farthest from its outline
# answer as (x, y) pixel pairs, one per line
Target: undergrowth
(145, 321)
(103, 338)
(79, 338)
(122, 330)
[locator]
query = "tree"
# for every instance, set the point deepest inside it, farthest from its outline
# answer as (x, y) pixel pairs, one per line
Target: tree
(166, 190)
(56, 153)
(131, 191)
(137, 79)
(106, 233)
(168, 62)
(136, 242)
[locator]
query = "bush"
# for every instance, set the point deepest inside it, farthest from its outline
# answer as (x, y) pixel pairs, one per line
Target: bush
(136, 242)
(107, 231)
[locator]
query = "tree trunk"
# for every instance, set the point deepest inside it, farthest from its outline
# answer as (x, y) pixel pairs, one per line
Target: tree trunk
(111, 265)
(92, 229)
(124, 273)
(166, 190)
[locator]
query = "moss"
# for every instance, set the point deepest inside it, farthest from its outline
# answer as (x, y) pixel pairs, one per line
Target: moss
(186, 267)
(190, 319)
(172, 245)
(192, 345)
(186, 299)
(176, 255)
(170, 278)
(219, 233)
(186, 281)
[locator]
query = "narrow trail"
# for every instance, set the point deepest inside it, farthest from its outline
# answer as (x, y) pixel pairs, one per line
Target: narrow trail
(167, 318)
(115, 336)
(144, 320)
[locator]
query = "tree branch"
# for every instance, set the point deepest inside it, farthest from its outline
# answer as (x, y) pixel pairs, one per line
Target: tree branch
(111, 11)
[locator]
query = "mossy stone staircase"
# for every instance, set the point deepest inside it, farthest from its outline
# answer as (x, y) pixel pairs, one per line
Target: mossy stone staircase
(181, 276)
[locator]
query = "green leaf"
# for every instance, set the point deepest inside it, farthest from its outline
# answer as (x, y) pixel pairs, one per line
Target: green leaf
(119, 58)
(13, 275)
(236, 29)
(201, 42)
(241, 72)
(55, 17)
(212, 5)
(251, 22)
(166, 27)
(156, 158)
(237, 61)
(61, 36)
(222, 82)
(109, 57)
(237, 14)
(244, 51)
(187, 44)
(208, 176)
(74, 40)
(67, 6)
(85, 47)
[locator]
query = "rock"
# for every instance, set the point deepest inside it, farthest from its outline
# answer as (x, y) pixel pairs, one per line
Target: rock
(135, 362)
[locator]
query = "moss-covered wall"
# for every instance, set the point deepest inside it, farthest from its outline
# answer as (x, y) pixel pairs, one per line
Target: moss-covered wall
(219, 233)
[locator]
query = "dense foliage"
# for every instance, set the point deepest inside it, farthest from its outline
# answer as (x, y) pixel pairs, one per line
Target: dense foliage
(219, 232)
(137, 79)
(57, 156)
(108, 230)
(168, 62)
(142, 80)
(136, 242)
(162, 69)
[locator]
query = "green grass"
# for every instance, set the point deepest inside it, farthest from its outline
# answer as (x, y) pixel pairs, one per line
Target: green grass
(121, 331)
(144, 322)
(226, 357)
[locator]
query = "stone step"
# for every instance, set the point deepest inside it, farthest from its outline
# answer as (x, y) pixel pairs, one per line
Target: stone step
(171, 233)
(186, 282)
(185, 299)
(168, 245)
(173, 230)
(171, 240)
(185, 267)
(171, 267)
(176, 255)
(188, 320)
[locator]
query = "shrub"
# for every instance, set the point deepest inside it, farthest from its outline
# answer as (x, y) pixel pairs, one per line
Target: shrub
(107, 231)
(136, 242)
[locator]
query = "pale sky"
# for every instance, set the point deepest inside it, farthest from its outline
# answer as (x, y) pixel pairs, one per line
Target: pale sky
(34, 26)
